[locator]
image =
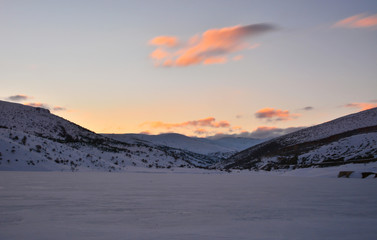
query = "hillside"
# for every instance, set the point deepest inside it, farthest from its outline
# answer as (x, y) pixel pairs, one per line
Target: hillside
(33, 139)
(347, 139)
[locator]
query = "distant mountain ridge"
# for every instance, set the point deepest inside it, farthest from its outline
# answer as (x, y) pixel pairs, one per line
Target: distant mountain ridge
(221, 147)
(344, 139)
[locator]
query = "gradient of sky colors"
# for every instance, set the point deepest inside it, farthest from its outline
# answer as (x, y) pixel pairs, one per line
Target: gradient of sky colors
(193, 67)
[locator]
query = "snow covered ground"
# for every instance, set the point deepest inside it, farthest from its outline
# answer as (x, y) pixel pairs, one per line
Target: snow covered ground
(185, 205)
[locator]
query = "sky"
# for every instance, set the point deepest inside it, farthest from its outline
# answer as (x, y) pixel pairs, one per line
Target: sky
(199, 68)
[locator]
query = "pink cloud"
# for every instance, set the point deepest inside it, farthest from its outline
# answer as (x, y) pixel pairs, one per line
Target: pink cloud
(201, 131)
(46, 106)
(37, 104)
(275, 114)
(358, 21)
(361, 106)
(215, 60)
(205, 122)
(214, 46)
(159, 54)
(168, 41)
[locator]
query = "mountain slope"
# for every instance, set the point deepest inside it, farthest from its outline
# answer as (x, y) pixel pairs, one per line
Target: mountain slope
(34, 139)
(352, 137)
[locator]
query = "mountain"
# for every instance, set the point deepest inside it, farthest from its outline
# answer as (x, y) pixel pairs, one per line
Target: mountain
(222, 147)
(235, 143)
(33, 139)
(352, 138)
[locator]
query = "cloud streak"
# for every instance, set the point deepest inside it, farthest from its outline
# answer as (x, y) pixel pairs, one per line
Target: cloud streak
(214, 46)
(262, 132)
(205, 122)
(272, 132)
(358, 21)
(361, 106)
(46, 106)
(57, 108)
(272, 114)
(168, 41)
(37, 104)
(308, 108)
(22, 98)
(18, 98)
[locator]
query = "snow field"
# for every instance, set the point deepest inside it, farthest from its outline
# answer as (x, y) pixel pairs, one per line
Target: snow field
(168, 205)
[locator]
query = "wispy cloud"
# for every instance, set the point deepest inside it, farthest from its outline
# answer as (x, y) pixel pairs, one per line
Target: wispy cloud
(209, 127)
(205, 122)
(22, 98)
(271, 132)
(262, 132)
(272, 114)
(201, 131)
(358, 21)
(37, 104)
(362, 106)
(46, 106)
(214, 46)
(57, 108)
(168, 41)
(308, 108)
(18, 98)
(145, 132)
(238, 58)
(159, 54)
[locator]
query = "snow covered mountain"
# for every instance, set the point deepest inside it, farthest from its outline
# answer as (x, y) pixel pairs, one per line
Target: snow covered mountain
(33, 139)
(347, 139)
(222, 147)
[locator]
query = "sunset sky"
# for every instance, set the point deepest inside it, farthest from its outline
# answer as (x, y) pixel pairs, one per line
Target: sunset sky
(200, 68)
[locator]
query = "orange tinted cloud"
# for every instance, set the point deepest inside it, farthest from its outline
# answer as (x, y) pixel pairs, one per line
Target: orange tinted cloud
(206, 122)
(212, 47)
(362, 106)
(200, 131)
(37, 104)
(358, 21)
(46, 106)
(264, 128)
(145, 132)
(168, 41)
(237, 128)
(159, 54)
(214, 60)
(275, 114)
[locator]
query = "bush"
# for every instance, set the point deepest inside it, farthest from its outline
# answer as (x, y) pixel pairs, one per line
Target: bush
(23, 141)
(38, 148)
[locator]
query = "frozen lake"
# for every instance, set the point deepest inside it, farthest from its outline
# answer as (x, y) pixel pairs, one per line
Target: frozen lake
(55, 205)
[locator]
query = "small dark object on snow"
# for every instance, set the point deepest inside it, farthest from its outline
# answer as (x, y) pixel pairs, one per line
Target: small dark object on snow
(346, 174)
(367, 174)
